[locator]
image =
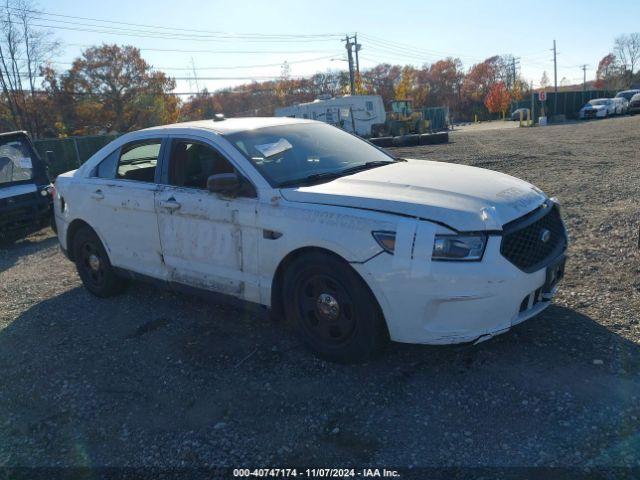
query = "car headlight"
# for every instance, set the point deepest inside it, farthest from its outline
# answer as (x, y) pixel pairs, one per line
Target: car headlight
(445, 247)
(459, 247)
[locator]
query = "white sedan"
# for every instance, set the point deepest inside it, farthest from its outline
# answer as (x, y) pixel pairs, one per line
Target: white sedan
(353, 246)
(598, 108)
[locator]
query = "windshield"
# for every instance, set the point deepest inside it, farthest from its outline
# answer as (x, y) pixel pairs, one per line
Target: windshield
(15, 162)
(296, 154)
(599, 102)
(628, 94)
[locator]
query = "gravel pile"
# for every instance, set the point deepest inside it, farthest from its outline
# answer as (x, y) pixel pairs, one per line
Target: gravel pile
(153, 378)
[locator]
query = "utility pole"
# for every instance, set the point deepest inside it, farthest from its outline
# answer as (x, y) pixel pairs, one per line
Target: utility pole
(555, 79)
(512, 70)
(532, 105)
(358, 48)
(350, 58)
(584, 81)
(195, 75)
(555, 68)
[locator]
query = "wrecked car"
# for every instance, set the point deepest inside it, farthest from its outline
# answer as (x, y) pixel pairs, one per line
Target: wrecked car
(25, 190)
(351, 245)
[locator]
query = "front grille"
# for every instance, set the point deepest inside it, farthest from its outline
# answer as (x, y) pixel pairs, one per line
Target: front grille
(522, 240)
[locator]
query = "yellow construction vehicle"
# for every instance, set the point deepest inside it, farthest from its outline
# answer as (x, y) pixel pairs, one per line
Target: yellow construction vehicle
(401, 120)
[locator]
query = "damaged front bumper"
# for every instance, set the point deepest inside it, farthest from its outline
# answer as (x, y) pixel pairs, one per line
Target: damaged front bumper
(459, 302)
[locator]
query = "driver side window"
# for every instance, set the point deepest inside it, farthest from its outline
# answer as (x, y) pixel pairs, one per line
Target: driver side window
(192, 163)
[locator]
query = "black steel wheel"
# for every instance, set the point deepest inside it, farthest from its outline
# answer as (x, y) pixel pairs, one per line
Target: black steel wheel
(334, 311)
(325, 308)
(93, 265)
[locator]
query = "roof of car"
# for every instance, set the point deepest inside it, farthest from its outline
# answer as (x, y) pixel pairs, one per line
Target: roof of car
(232, 125)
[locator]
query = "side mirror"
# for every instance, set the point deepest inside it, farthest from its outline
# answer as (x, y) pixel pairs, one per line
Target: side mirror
(224, 183)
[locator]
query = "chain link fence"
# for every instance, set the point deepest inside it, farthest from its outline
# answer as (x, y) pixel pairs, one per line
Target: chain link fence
(69, 153)
(562, 103)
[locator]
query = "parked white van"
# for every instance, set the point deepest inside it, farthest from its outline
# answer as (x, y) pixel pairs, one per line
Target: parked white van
(353, 113)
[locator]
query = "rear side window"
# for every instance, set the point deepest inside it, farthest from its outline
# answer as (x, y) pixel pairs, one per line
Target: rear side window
(107, 167)
(138, 161)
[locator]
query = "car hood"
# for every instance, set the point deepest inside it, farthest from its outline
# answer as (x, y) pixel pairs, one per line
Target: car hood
(462, 197)
(594, 107)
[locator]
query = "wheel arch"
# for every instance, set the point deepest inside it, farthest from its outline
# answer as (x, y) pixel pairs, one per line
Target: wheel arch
(73, 228)
(277, 307)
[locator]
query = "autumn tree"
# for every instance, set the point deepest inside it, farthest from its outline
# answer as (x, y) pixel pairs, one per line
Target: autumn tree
(498, 99)
(481, 77)
(476, 86)
(382, 80)
(445, 78)
(405, 84)
(518, 90)
(23, 49)
(627, 50)
(331, 83)
(544, 81)
(114, 89)
(201, 106)
(610, 73)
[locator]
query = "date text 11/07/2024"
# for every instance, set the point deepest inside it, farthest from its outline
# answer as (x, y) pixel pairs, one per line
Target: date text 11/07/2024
(316, 473)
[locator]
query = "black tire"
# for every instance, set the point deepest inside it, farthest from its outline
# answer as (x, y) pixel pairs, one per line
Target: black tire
(52, 222)
(93, 265)
(333, 310)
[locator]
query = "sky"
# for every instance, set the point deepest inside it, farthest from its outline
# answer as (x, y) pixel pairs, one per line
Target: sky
(215, 44)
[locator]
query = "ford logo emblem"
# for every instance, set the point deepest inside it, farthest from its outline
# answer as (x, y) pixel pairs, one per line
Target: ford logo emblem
(545, 235)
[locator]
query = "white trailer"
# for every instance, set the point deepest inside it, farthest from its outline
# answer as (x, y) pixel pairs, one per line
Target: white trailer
(347, 112)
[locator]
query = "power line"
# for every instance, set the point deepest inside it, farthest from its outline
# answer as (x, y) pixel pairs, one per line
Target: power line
(214, 52)
(408, 49)
(239, 67)
(173, 37)
(40, 14)
(231, 67)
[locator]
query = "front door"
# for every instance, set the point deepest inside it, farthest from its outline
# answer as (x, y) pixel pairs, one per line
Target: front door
(208, 241)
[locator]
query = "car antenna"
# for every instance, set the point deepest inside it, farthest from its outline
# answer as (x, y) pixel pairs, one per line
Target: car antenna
(218, 117)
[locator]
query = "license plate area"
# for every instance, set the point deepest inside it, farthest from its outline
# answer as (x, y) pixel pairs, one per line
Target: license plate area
(555, 273)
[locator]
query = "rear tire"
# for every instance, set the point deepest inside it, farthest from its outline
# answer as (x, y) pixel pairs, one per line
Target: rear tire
(93, 265)
(336, 315)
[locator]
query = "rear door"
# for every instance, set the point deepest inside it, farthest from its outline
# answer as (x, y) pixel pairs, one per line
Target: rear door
(121, 206)
(208, 241)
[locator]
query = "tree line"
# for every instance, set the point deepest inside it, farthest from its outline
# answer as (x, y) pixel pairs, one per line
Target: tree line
(111, 88)
(621, 68)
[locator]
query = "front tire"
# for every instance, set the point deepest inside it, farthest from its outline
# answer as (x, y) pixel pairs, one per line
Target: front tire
(93, 265)
(335, 313)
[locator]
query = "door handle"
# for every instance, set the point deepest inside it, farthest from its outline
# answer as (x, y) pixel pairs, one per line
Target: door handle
(98, 195)
(170, 204)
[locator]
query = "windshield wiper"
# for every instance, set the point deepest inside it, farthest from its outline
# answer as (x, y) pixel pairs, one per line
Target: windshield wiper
(340, 173)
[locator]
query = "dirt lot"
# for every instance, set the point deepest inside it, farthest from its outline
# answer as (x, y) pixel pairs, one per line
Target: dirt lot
(157, 378)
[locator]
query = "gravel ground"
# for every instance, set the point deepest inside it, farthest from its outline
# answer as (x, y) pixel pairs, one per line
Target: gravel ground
(153, 378)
